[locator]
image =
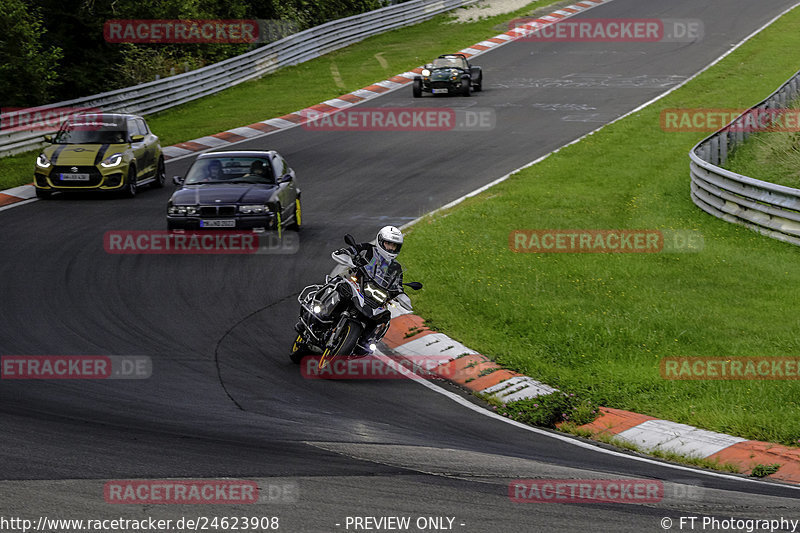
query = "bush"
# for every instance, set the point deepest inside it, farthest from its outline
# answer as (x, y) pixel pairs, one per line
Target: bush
(28, 69)
(549, 410)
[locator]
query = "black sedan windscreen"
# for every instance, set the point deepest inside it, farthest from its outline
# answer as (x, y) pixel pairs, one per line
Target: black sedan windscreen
(230, 170)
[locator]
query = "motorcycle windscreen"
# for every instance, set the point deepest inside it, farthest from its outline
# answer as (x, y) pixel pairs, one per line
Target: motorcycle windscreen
(378, 270)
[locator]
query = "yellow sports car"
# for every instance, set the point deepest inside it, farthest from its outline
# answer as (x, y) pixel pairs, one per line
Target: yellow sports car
(108, 151)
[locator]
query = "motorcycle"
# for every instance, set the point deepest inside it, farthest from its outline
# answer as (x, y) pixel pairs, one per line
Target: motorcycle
(334, 317)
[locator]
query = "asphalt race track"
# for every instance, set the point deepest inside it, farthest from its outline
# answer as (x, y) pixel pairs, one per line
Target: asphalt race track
(224, 401)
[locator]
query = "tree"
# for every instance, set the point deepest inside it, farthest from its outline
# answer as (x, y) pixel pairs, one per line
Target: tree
(28, 70)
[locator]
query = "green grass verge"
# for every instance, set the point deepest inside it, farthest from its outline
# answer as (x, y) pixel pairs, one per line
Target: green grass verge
(769, 156)
(300, 86)
(597, 325)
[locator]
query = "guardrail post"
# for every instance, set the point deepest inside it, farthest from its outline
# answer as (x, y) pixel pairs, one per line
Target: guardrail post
(714, 148)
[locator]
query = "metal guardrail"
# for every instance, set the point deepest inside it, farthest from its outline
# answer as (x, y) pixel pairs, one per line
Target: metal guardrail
(169, 92)
(770, 209)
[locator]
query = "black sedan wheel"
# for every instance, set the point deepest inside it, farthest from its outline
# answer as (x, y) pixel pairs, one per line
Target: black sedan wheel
(298, 216)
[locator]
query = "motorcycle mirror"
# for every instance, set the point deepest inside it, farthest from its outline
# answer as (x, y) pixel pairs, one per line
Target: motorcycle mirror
(349, 239)
(416, 285)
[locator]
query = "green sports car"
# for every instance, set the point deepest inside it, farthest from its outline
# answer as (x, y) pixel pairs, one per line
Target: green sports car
(449, 74)
(108, 152)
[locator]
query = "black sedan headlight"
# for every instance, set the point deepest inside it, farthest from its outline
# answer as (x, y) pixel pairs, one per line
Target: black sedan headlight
(255, 209)
(182, 210)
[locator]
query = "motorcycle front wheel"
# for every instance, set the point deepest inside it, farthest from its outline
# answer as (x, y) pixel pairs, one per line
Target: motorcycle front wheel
(347, 341)
(299, 349)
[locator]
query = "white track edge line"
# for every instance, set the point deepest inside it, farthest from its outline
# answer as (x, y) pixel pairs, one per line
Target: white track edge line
(570, 440)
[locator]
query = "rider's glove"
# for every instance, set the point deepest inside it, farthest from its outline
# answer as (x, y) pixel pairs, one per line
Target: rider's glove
(359, 260)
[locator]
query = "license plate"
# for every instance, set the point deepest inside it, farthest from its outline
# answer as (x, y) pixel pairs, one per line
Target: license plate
(438, 91)
(75, 177)
(218, 223)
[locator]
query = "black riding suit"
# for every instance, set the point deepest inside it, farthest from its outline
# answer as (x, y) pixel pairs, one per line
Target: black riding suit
(388, 274)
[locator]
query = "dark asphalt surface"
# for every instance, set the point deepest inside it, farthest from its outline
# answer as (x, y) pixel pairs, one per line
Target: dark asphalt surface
(224, 400)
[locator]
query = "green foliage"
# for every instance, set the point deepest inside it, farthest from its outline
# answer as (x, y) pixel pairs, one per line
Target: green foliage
(761, 470)
(309, 13)
(28, 67)
(91, 65)
(549, 410)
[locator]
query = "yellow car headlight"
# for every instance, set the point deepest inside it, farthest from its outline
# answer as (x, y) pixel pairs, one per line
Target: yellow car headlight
(42, 161)
(112, 161)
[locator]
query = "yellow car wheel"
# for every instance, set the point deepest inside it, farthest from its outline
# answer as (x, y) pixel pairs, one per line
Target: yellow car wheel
(298, 215)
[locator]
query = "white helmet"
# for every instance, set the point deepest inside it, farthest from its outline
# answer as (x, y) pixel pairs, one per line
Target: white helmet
(389, 242)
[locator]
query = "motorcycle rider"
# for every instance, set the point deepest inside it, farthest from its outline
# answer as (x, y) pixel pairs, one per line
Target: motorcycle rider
(379, 259)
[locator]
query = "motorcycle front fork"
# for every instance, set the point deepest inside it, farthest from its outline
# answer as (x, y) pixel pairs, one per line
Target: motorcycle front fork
(334, 336)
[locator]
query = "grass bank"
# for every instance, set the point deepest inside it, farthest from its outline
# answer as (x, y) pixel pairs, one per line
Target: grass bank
(597, 325)
(770, 156)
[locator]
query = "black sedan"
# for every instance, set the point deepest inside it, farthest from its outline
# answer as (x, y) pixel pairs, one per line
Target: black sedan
(236, 190)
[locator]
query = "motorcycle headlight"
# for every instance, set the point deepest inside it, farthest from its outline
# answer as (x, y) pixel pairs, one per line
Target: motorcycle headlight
(42, 161)
(112, 161)
(253, 209)
(426, 72)
(376, 293)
